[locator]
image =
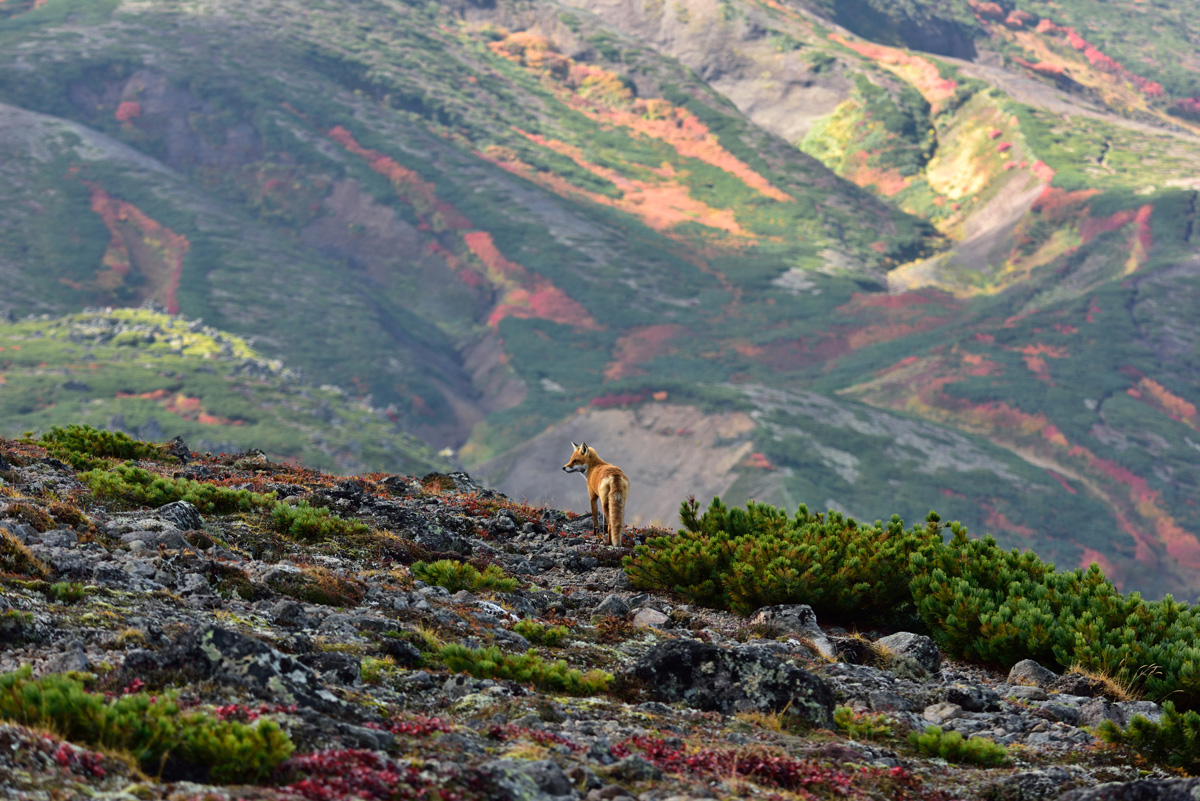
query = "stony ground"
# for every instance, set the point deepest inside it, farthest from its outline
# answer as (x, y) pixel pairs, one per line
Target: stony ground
(335, 640)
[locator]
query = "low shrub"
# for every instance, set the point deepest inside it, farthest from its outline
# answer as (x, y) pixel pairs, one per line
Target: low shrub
(455, 576)
(151, 728)
(953, 747)
(129, 484)
(540, 634)
(744, 560)
(77, 444)
(66, 592)
(862, 726)
(527, 668)
(1173, 741)
(309, 523)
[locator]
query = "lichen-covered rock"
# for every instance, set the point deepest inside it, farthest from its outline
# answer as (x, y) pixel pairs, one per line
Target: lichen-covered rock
(972, 698)
(797, 620)
(184, 515)
(709, 677)
(612, 606)
(219, 654)
(1035, 785)
(918, 648)
(1140, 790)
(1029, 672)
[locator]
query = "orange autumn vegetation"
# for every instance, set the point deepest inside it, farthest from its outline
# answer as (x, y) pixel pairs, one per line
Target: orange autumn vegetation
(1037, 365)
(641, 345)
(1155, 394)
(660, 205)
(605, 97)
(524, 294)
(418, 192)
(916, 386)
(920, 72)
(185, 406)
(138, 242)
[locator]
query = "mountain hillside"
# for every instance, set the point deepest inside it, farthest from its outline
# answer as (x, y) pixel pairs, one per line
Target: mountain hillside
(936, 253)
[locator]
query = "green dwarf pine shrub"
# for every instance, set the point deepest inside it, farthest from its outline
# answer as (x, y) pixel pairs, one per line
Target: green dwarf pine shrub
(455, 576)
(77, 444)
(527, 668)
(129, 484)
(66, 592)
(540, 634)
(151, 728)
(984, 603)
(309, 523)
(746, 559)
(953, 747)
(864, 726)
(1173, 741)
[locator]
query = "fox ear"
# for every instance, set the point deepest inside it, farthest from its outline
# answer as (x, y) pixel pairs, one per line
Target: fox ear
(583, 447)
(573, 445)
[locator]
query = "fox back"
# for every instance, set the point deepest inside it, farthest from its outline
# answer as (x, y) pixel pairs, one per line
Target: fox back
(606, 483)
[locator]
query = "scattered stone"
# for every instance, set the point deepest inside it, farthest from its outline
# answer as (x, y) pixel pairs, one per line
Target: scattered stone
(728, 680)
(940, 713)
(797, 620)
(646, 618)
(1026, 693)
(1140, 790)
(184, 515)
(918, 648)
(1034, 785)
(634, 768)
(1029, 672)
(972, 698)
(612, 606)
(1073, 683)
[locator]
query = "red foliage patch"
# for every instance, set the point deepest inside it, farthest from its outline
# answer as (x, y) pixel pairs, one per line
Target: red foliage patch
(776, 770)
(78, 760)
(344, 774)
(128, 111)
(1100, 61)
(619, 399)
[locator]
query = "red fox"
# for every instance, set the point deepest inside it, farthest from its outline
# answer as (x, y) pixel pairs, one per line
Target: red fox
(606, 482)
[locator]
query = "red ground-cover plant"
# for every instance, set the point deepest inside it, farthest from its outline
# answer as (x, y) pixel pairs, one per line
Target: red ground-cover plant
(79, 760)
(340, 775)
(803, 776)
(247, 714)
(540, 737)
(417, 726)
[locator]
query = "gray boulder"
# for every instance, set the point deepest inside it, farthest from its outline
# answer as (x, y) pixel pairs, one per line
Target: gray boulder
(728, 680)
(1030, 673)
(184, 515)
(972, 698)
(612, 606)
(903, 646)
(797, 620)
(1140, 790)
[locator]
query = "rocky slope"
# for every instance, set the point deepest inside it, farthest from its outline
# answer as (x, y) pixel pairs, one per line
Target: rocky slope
(890, 235)
(339, 645)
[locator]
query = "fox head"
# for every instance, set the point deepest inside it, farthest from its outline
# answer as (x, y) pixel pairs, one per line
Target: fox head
(578, 463)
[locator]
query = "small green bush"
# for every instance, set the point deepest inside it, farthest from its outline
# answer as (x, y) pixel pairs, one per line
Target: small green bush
(66, 592)
(953, 747)
(309, 523)
(151, 728)
(129, 484)
(76, 444)
(1173, 741)
(539, 634)
(455, 576)
(527, 668)
(744, 560)
(863, 726)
